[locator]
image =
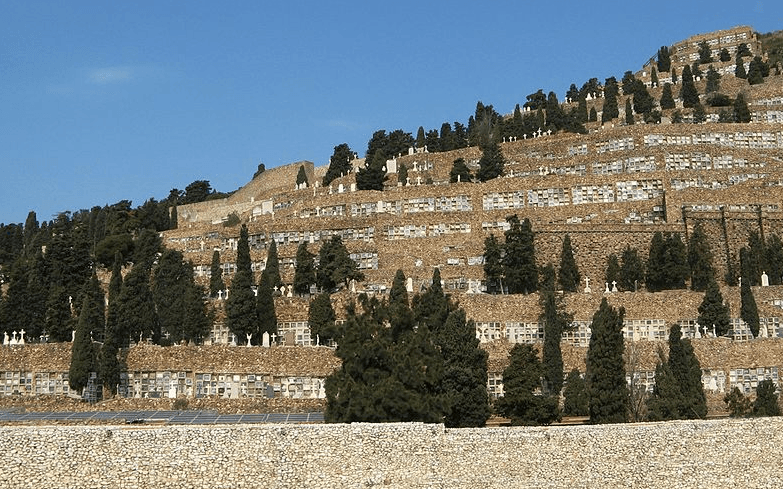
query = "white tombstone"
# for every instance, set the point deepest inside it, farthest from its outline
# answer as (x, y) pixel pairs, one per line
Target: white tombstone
(763, 331)
(317, 340)
(409, 284)
(249, 335)
(13, 338)
(410, 151)
(340, 188)
(698, 334)
(353, 286)
(226, 294)
(290, 291)
(764, 279)
(73, 335)
(21, 337)
(353, 187)
(739, 282)
(459, 178)
(265, 340)
(714, 335)
(614, 285)
(255, 291)
(588, 290)
(5, 338)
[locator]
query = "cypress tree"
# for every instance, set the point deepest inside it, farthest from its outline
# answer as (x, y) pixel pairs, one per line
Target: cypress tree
(339, 163)
(741, 110)
(688, 92)
(739, 70)
(58, 322)
(464, 372)
(321, 317)
(666, 399)
(108, 363)
(265, 309)
(335, 266)
(556, 320)
(216, 275)
(766, 403)
(575, 402)
(775, 259)
(677, 271)
(748, 310)
(241, 316)
(493, 269)
(756, 71)
(705, 53)
(606, 385)
(301, 177)
(304, 273)
(725, 55)
(402, 174)
(613, 273)
(137, 316)
(491, 163)
(700, 259)
(699, 114)
(82, 352)
(568, 277)
(520, 379)
(272, 268)
(713, 80)
(667, 100)
(712, 310)
(656, 264)
(631, 270)
(628, 112)
(460, 172)
(664, 59)
(610, 110)
(519, 261)
(686, 370)
(399, 312)
(373, 175)
(593, 115)
(196, 321)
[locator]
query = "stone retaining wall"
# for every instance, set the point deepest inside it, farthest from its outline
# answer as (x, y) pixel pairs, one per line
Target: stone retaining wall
(704, 454)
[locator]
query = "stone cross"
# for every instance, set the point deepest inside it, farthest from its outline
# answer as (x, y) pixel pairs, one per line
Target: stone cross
(587, 285)
(13, 338)
(21, 337)
(614, 285)
(274, 337)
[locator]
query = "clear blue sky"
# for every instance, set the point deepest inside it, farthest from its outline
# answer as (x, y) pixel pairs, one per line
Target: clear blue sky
(103, 101)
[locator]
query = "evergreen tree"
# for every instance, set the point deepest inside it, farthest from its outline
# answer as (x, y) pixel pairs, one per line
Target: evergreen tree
(667, 100)
(420, 138)
(575, 400)
(399, 311)
(373, 175)
(613, 273)
(581, 111)
(766, 403)
(36, 295)
(656, 264)
(556, 320)
(335, 266)
(674, 76)
(593, 115)
(607, 390)
(741, 110)
(775, 259)
(739, 70)
(643, 102)
(699, 114)
(610, 110)
(521, 379)
(216, 275)
(725, 55)
(664, 59)
(493, 269)
(705, 53)
(712, 310)
(491, 163)
(301, 177)
(654, 77)
(82, 352)
(713, 80)
(447, 142)
(197, 321)
(433, 306)
(241, 316)
(748, 310)
(108, 362)
(519, 259)
(666, 398)
(628, 112)
(98, 302)
(58, 322)
(686, 370)
(265, 309)
(756, 71)
(700, 259)
(631, 270)
(272, 267)
(464, 372)
(688, 92)
(568, 277)
(460, 172)
(402, 174)
(339, 163)
(137, 316)
(304, 274)
(321, 317)
(738, 405)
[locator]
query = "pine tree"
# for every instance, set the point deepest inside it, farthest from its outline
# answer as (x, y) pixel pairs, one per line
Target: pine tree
(739, 406)
(748, 310)
(304, 273)
(575, 402)
(521, 379)
(432, 307)
(321, 319)
(667, 100)
(464, 372)
(700, 259)
(712, 310)
(686, 370)
(519, 261)
(373, 175)
(216, 275)
(335, 266)
(491, 163)
(460, 172)
(241, 316)
(568, 277)
(766, 403)
(82, 352)
(493, 269)
(741, 110)
(606, 385)
(339, 163)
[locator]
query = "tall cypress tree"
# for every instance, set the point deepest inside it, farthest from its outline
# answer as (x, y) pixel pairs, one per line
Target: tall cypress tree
(568, 276)
(606, 384)
(491, 163)
(58, 323)
(519, 261)
(493, 269)
(304, 274)
(686, 370)
(575, 401)
(775, 259)
(241, 316)
(610, 110)
(272, 268)
(688, 92)
(667, 100)
(712, 310)
(741, 111)
(699, 259)
(108, 362)
(613, 273)
(628, 112)
(748, 310)
(666, 398)
(556, 320)
(321, 318)
(265, 310)
(82, 352)
(656, 264)
(521, 379)
(664, 59)
(339, 163)
(137, 317)
(216, 275)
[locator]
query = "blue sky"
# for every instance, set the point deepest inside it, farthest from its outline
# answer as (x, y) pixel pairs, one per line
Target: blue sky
(103, 101)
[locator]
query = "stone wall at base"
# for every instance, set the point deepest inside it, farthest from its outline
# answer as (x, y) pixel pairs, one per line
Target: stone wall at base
(704, 454)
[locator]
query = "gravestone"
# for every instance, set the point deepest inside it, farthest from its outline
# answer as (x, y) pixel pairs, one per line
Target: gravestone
(249, 336)
(289, 338)
(764, 279)
(409, 284)
(607, 291)
(588, 290)
(614, 285)
(5, 338)
(265, 340)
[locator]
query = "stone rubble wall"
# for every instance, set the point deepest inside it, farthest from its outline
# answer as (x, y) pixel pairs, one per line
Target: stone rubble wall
(703, 454)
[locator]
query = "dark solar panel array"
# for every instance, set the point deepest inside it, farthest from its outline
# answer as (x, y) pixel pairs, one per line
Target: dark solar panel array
(167, 417)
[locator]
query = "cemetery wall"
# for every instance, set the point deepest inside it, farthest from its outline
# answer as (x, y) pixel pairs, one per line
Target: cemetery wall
(716, 453)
